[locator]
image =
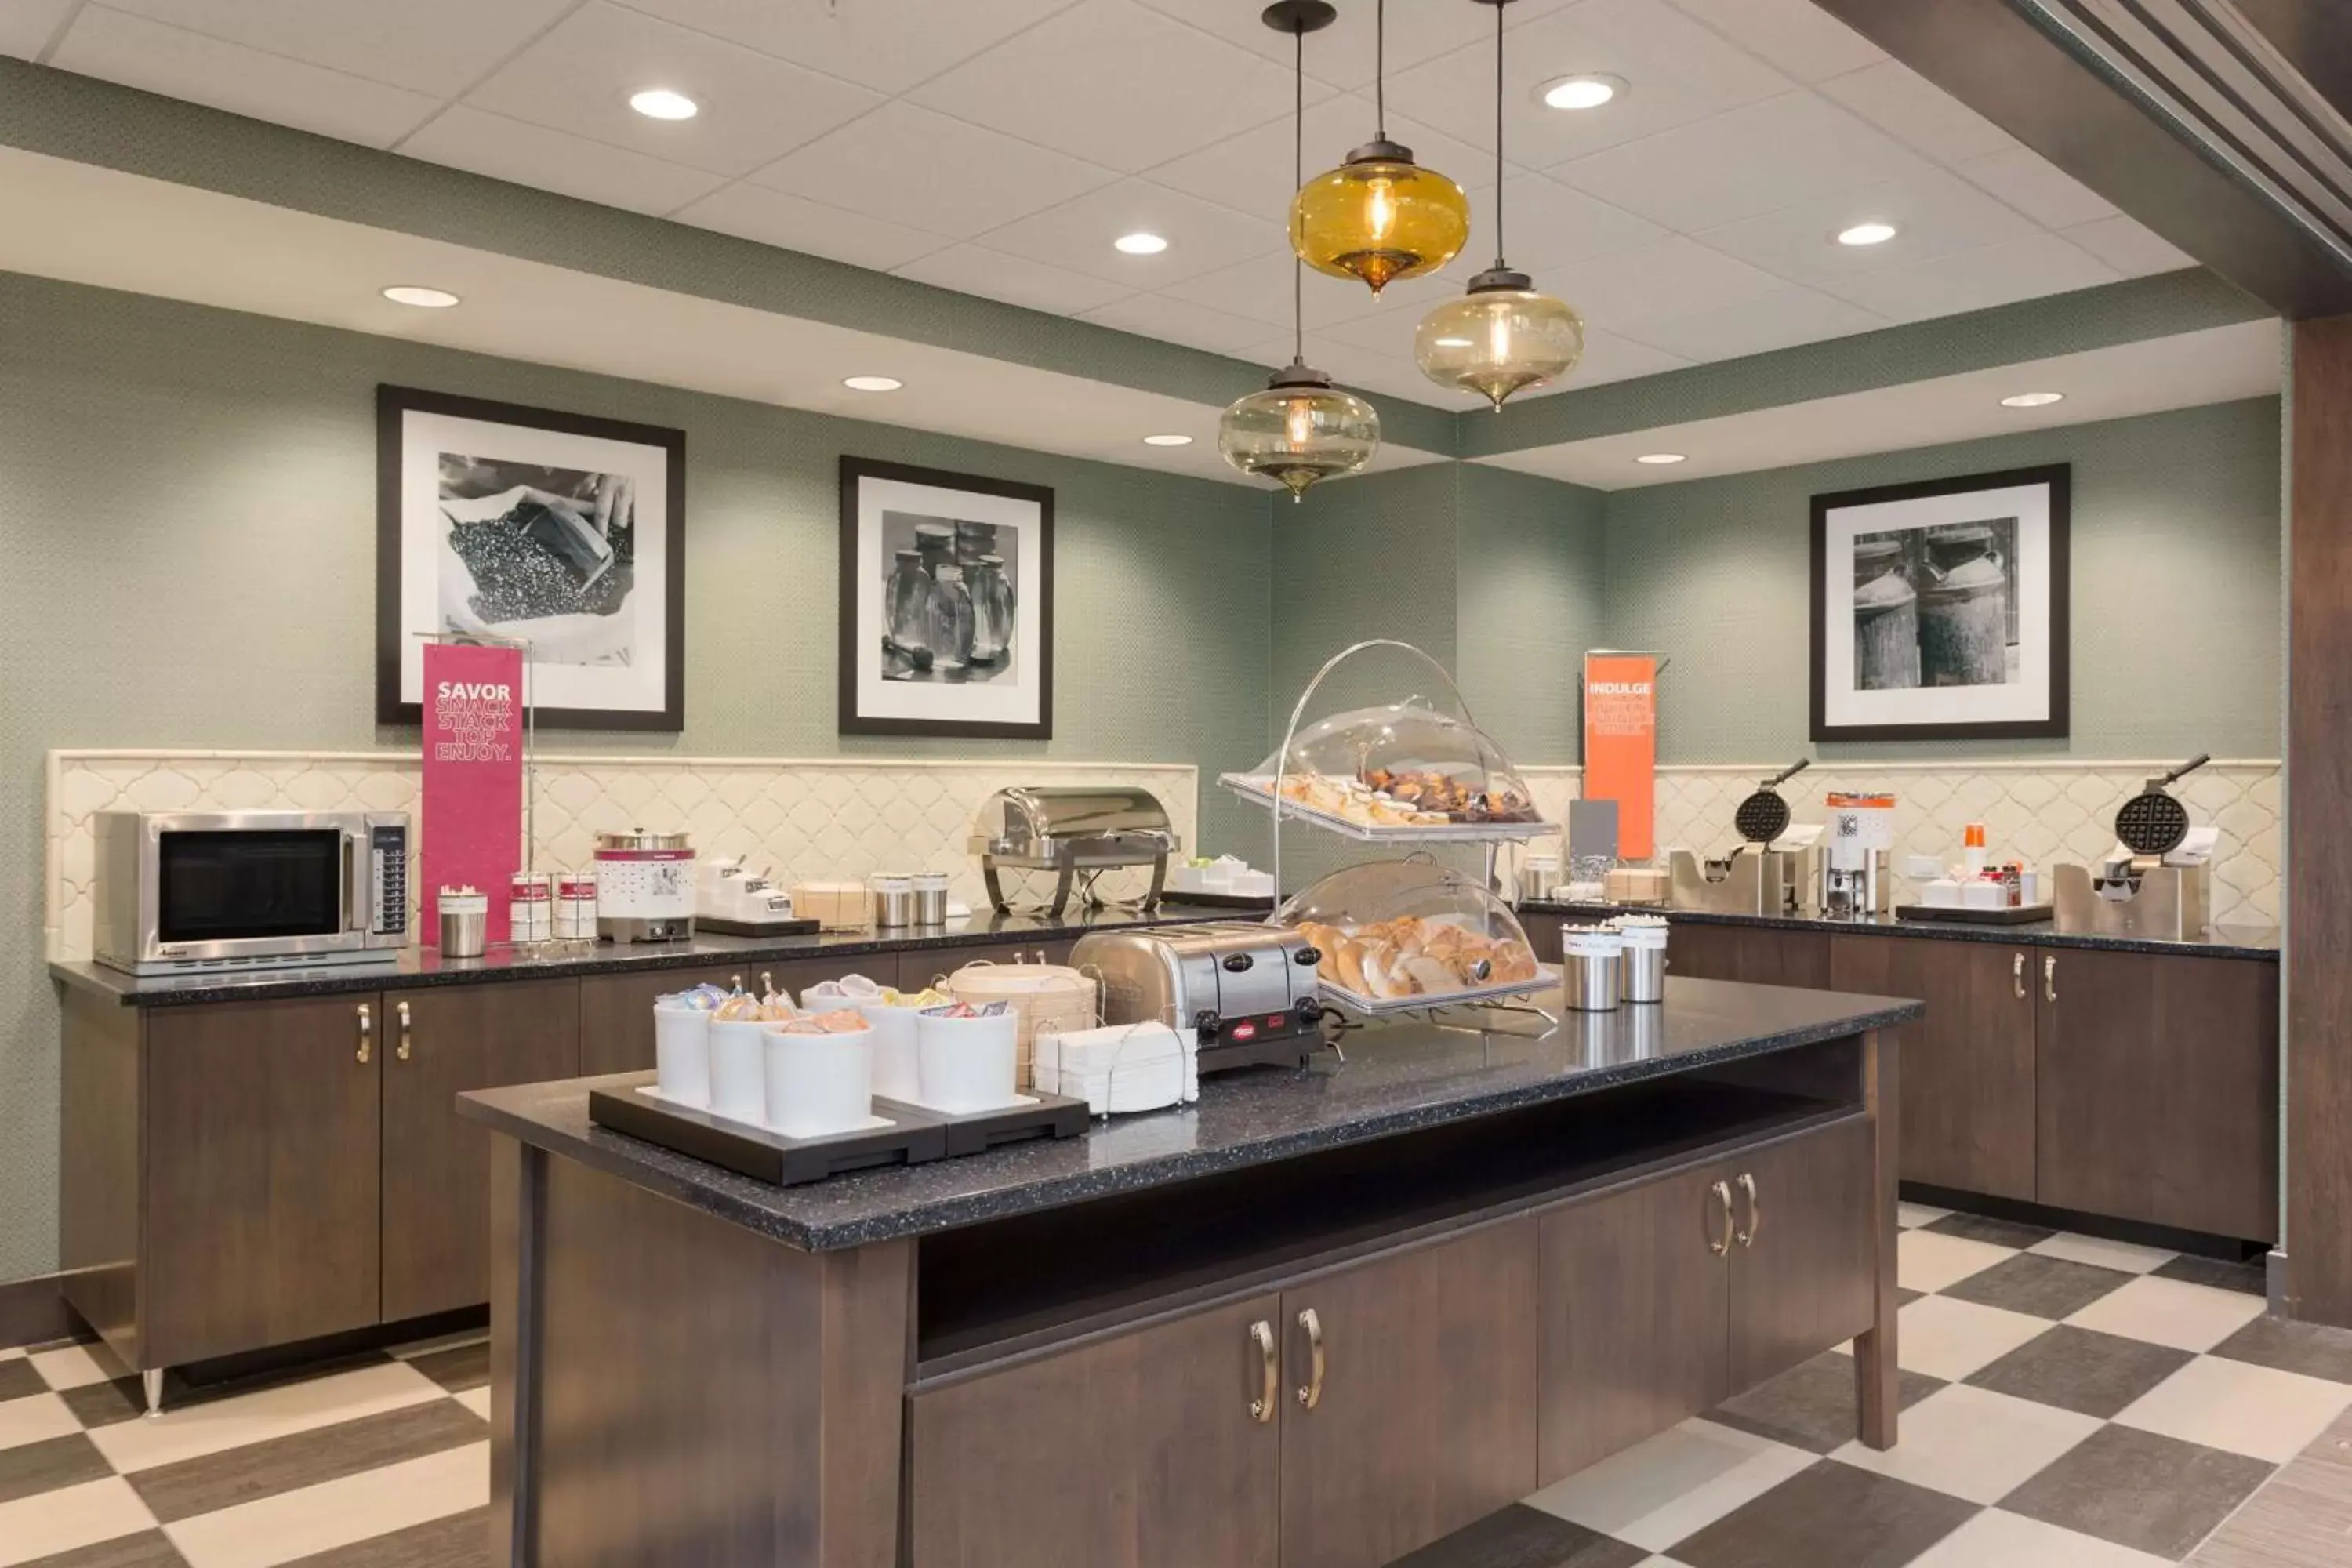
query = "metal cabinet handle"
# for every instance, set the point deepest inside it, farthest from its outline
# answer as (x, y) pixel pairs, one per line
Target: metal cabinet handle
(2050, 978)
(1747, 1236)
(2017, 974)
(367, 1032)
(1269, 1373)
(1719, 1245)
(1312, 1394)
(400, 1010)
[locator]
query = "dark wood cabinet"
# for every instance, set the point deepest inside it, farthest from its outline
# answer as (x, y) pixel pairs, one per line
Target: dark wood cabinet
(1969, 1066)
(259, 1173)
(439, 1043)
(1140, 1450)
(1802, 1257)
(1760, 955)
(1417, 1413)
(2158, 1088)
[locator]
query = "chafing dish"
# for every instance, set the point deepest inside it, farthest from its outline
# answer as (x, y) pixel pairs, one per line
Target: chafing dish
(1068, 830)
(1250, 990)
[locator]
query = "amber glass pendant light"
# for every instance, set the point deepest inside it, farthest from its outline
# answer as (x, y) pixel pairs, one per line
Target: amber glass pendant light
(1301, 429)
(1501, 336)
(1378, 217)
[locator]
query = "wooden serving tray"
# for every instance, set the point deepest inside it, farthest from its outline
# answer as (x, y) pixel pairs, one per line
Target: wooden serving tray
(977, 1131)
(911, 1137)
(2023, 914)
(712, 923)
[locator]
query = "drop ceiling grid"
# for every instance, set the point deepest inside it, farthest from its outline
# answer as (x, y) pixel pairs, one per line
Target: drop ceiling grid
(1000, 145)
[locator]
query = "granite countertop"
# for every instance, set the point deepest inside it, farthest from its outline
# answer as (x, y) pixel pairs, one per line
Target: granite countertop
(1397, 1077)
(2220, 941)
(423, 966)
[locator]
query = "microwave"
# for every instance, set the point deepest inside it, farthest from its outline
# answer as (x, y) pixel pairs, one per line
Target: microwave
(178, 892)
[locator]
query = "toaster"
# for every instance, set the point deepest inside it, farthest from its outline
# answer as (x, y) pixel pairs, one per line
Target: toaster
(1249, 989)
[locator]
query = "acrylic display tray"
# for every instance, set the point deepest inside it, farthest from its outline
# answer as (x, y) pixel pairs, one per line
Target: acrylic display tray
(1547, 978)
(1258, 789)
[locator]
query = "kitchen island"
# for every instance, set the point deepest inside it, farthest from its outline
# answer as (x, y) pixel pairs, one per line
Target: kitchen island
(1319, 1318)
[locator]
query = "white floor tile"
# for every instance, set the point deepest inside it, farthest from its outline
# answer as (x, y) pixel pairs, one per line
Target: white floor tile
(317, 1518)
(1997, 1540)
(2170, 1312)
(211, 1426)
(476, 1400)
(1910, 1216)
(14, 1353)
(1677, 1483)
(78, 1366)
(2103, 1254)
(1949, 1339)
(70, 1517)
(2252, 1410)
(35, 1418)
(1973, 1443)
(1926, 1260)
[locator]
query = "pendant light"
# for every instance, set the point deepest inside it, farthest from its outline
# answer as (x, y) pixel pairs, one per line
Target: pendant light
(1301, 429)
(1378, 217)
(1501, 336)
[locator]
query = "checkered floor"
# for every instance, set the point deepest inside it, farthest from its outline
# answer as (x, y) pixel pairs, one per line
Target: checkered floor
(2069, 1402)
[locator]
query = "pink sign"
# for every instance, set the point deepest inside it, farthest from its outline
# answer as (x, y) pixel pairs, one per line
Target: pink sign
(473, 777)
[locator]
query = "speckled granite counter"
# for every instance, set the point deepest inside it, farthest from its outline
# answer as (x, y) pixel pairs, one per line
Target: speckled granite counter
(1398, 1077)
(2221, 942)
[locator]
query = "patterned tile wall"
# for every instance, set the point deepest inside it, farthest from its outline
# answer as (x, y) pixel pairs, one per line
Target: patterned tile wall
(804, 819)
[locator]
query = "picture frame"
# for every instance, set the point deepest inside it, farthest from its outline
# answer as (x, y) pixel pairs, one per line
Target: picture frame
(1940, 608)
(564, 532)
(947, 604)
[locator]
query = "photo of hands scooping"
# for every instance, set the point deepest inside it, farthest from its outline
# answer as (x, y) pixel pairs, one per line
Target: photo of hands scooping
(542, 553)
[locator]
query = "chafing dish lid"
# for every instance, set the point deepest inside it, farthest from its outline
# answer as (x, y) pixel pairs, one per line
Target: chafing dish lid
(1023, 817)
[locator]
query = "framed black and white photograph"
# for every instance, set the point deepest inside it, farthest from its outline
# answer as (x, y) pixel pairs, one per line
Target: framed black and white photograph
(1939, 609)
(560, 530)
(947, 604)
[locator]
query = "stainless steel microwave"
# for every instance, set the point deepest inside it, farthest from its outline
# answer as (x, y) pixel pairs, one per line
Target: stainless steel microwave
(184, 891)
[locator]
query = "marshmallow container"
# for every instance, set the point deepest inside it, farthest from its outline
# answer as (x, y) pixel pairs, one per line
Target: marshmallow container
(818, 1085)
(682, 1053)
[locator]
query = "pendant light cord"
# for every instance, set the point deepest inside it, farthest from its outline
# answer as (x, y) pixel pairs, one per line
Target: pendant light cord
(1498, 138)
(1381, 70)
(1297, 181)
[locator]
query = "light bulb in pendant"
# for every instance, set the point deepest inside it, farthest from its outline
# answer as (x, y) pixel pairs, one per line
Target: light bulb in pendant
(1378, 218)
(1301, 429)
(1499, 338)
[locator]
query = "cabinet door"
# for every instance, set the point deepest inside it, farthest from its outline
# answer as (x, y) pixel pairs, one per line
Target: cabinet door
(439, 1043)
(260, 1173)
(1760, 955)
(1803, 1263)
(1634, 1309)
(616, 1012)
(1543, 935)
(1426, 1416)
(1139, 1451)
(1968, 1066)
(2158, 1088)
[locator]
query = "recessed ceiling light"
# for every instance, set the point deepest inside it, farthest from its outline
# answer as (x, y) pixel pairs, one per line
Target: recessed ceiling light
(1140, 243)
(1659, 458)
(2034, 400)
(1168, 440)
(1579, 91)
(423, 299)
(872, 382)
(661, 103)
(1872, 233)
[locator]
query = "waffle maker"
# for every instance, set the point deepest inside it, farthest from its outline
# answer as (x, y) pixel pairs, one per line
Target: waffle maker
(2158, 880)
(1772, 880)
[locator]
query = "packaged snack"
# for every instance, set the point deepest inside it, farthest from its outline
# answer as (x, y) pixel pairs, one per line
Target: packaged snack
(740, 1006)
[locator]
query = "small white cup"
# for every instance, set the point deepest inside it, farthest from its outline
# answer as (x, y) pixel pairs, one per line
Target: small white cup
(967, 1064)
(682, 1053)
(739, 1069)
(819, 1084)
(895, 1073)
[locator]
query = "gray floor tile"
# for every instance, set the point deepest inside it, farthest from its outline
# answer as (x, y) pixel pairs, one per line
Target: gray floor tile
(2048, 1287)
(1831, 1516)
(460, 1540)
(2000, 1232)
(1516, 1537)
(1811, 1407)
(29, 1470)
(18, 1378)
(148, 1549)
(2307, 1348)
(216, 1481)
(2137, 1488)
(457, 1370)
(96, 1405)
(2249, 1278)
(2080, 1370)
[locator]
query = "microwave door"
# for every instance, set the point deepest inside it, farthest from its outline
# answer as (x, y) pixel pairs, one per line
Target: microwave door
(248, 892)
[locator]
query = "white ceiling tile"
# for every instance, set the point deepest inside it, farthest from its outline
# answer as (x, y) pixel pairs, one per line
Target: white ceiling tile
(875, 43)
(1934, 213)
(1342, 54)
(1115, 82)
(1678, 276)
(1976, 280)
(1389, 375)
(1676, 72)
(921, 169)
(1794, 35)
(506, 149)
(440, 46)
(1251, 171)
(1915, 112)
(2129, 247)
(1174, 322)
(1260, 289)
(1777, 321)
(1015, 279)
(755, 108)
(1386, 332)
(1547, 224)
(771, 217)
(173, 61)
(26, 25)
(1202, 236)
(1608, 357)
(2038, 188)
(1741, 163)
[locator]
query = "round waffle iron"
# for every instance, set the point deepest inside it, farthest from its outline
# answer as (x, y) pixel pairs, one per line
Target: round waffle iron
(1764, 815)
(2152, 823)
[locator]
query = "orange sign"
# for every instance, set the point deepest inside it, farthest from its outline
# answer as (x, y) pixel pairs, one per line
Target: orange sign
(1621, 744)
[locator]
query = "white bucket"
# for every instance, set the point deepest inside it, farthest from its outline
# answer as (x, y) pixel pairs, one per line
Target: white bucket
(682, 1053)
(818, 1085)
(967, 1064)
(896, 1074)
(739, 1069)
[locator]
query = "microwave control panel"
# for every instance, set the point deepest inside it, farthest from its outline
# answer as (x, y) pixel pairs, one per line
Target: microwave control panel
(388, 854)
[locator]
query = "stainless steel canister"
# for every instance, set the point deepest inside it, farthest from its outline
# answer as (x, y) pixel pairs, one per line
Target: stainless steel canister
(1592, 960)
(893, 901)
(1644, 971)
(465, 922)
(931, 899)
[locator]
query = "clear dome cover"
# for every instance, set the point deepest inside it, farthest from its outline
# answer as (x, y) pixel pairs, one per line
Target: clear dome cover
(1411, 933)
(1406, 766)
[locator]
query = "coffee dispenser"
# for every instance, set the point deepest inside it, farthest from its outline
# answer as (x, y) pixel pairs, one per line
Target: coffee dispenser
(1855, 878)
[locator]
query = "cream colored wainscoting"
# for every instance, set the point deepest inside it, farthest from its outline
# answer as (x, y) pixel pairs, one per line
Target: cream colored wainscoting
(2038, 812)
(803, 818)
